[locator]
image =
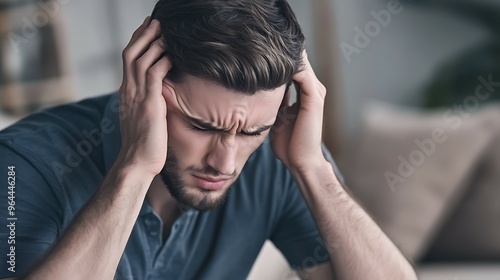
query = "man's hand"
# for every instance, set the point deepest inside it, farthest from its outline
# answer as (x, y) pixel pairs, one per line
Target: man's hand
(358, 248)
(143, 107)
(102, 227)
(296, 135)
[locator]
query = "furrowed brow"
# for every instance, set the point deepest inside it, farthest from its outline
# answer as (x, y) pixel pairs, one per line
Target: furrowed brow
(205, 125)
(209, 126)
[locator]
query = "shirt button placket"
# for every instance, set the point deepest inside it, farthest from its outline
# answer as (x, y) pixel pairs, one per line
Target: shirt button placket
(152, 225)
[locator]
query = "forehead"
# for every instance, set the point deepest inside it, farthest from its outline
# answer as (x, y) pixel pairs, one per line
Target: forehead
(211, 102)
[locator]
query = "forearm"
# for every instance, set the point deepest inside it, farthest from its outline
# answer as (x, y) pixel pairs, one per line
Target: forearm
(357, 246)
(94, 242)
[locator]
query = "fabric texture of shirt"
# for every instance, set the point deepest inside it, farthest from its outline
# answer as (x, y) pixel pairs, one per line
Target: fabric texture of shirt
(61, 156)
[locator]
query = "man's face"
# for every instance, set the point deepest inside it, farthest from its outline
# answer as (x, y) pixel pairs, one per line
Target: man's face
(211, 133)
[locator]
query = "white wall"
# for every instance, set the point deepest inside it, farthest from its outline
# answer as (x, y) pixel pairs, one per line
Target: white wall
(97, 32)
(402, 58)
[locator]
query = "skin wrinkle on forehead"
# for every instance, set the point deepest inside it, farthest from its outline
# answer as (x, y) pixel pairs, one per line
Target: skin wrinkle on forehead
(182, 105)
(235, 121)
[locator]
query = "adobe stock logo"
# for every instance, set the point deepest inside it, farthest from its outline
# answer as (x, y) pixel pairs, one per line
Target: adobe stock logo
(364, 37)
(77, 152)
(453, 118)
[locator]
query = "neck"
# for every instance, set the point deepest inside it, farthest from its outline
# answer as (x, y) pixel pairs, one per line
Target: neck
(162, 202)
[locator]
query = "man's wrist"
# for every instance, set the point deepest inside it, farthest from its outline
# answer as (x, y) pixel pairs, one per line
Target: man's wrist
(318, 172)
(313, 166)
(124, 175)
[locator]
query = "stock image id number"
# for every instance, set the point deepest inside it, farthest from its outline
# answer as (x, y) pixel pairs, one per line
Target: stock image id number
(11, 182)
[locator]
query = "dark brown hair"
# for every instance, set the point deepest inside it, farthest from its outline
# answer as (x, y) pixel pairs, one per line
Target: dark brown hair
(244, 45)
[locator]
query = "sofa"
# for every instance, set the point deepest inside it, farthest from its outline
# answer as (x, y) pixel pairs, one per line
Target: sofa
(431, 181)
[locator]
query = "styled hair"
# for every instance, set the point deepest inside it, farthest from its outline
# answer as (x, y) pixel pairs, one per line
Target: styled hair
(243, 45)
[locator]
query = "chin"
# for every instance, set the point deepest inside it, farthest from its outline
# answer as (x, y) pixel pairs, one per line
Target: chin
(189, 194)
(201, 199)
(190, 191)
(197, 197)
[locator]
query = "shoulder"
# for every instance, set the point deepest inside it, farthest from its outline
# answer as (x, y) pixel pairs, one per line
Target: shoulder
(46, 133)
(264, 170)
(56, 144)
(69, 116)
(262, 184)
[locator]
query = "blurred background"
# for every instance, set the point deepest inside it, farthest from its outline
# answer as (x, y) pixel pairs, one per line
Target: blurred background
(412, 116)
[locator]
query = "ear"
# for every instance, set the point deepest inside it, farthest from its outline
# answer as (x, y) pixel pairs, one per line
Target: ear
(169, 93)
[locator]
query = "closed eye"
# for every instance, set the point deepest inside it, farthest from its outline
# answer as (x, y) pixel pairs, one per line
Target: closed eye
(195, 128)
(207, 127)
(256, 134)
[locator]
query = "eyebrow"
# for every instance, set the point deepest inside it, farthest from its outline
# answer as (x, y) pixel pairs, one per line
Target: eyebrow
(208, 126)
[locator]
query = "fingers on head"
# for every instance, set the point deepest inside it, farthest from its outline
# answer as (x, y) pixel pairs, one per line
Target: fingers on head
(157, 72)
(148, 59)
(141, 28)
(136, 48)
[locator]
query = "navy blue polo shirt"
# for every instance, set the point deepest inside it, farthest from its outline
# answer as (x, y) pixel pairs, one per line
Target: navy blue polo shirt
(61, 155)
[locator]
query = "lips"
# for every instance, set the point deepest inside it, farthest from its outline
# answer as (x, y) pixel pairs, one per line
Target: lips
(210, 183)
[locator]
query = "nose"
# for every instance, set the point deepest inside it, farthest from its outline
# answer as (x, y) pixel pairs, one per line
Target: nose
(222, 156)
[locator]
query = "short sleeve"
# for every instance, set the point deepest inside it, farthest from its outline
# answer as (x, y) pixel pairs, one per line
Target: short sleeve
(30, 228)
(296, 234)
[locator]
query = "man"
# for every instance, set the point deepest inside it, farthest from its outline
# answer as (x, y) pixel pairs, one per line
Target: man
(182, 182)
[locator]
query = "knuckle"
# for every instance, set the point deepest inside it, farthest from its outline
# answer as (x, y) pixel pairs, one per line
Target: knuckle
(322, 89)
(151, 30)
(156, 43)
(152, 73)
(322, 94)
(136, 32)
(159, 44)
(134, 35)
(126, 54)
(140, 65)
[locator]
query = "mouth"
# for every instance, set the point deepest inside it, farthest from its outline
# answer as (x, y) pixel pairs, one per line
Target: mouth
(210, 183)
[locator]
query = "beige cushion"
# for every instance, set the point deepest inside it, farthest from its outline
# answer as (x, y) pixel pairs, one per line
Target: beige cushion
(459, 271)
(271, 264)
(410, 190)
(473, 231)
